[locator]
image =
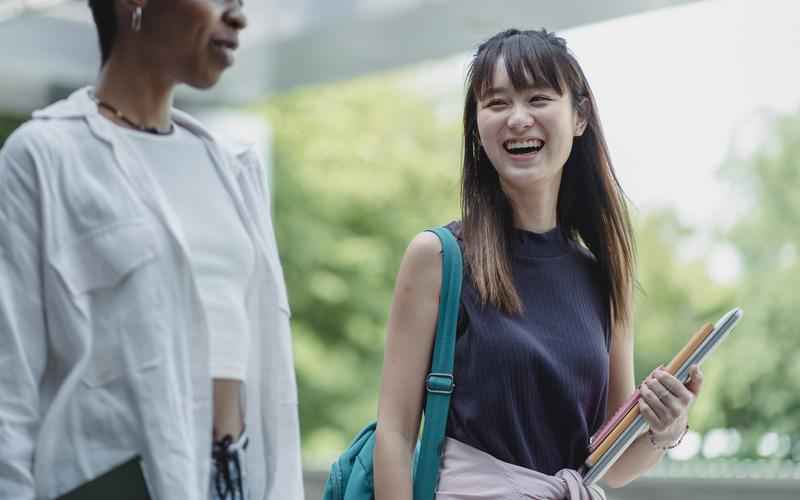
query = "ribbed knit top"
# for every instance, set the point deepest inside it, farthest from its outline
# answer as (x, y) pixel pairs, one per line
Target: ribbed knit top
(530, 389)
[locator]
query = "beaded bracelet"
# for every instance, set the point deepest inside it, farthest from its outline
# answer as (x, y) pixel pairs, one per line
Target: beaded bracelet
(668, 447)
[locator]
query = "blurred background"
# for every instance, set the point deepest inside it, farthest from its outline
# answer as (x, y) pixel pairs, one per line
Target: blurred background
(356, 107)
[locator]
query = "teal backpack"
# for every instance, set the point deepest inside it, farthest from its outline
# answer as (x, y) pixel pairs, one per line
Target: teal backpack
(351, 474)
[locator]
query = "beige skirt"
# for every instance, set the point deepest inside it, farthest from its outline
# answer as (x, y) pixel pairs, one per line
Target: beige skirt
(467, 473)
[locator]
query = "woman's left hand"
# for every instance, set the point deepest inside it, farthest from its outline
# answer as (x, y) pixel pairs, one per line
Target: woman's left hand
(665, 403)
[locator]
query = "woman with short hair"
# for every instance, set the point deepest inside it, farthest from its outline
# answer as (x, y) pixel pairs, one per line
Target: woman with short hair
(143, 311)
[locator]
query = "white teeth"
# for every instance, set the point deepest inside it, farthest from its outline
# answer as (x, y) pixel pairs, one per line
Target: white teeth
(527, 143)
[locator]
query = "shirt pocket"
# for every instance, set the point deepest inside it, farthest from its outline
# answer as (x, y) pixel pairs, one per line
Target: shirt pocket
(111, 278)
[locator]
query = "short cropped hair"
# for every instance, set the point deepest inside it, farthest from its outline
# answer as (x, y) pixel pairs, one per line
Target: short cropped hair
(105, 18)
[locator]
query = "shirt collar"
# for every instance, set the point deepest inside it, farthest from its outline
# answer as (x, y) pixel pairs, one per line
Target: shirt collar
(80, 104)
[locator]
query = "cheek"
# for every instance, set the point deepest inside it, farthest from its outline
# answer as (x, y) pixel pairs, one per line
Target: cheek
(184, 45)
(559, 130)
(196, 37)
(198, 24)
(488, 128)
(197, 50)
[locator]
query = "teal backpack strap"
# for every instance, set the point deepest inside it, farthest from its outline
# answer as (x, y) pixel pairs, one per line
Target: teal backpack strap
(439, 382)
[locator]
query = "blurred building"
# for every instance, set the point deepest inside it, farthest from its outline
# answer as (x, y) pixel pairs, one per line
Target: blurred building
(49, 46)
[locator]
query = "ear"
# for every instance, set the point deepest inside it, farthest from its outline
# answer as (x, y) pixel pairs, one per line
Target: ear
(583, 111)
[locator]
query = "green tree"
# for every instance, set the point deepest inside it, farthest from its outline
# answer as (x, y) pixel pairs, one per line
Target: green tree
(675, 296)
(762, 367)
(753, 380)
(360, 168)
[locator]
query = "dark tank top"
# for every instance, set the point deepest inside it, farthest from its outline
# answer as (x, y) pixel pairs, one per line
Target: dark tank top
(530, 389)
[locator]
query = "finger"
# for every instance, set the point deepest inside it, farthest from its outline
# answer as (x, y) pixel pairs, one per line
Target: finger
(650, 416)
(673, 405)
(654, 404)
(674, 386)
(695, 382)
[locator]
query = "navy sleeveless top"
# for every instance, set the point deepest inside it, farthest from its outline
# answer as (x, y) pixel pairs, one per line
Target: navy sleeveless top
(530, 389)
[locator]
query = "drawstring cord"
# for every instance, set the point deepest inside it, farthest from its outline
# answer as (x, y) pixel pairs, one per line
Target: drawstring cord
(223, 482)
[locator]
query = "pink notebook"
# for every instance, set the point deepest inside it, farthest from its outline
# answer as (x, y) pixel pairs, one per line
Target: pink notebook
(606, 429)
(603, 432)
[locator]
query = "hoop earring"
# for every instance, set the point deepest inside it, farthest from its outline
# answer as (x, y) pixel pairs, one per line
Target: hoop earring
(136, 19)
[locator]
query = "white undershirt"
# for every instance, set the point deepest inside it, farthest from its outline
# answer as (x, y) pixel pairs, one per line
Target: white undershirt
(220, 250)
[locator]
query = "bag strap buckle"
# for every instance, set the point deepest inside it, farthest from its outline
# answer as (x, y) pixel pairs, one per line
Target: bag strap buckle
(439, 383)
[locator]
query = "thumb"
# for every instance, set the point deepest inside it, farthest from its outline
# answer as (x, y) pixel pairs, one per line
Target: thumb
(695, 381)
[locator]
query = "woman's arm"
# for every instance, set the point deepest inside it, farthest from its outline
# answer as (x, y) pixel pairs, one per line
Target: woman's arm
(409, 342)
(664, 404)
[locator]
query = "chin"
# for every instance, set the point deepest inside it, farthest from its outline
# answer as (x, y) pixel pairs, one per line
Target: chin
(204, 83)
(522, 177)
(204, 78)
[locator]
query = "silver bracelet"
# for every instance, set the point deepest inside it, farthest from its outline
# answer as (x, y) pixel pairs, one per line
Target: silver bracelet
(670, 446)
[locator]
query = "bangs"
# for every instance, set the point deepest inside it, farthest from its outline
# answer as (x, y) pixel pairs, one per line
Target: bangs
(530, 61)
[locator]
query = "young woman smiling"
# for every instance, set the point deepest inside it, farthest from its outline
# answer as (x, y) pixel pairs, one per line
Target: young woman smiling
(544, 352)
(142, 308)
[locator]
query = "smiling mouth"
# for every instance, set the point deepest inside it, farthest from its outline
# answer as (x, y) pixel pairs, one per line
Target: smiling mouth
(225, 44)
(523, 147)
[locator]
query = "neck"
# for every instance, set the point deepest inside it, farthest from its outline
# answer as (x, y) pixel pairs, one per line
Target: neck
(137, 89)
(534, 207)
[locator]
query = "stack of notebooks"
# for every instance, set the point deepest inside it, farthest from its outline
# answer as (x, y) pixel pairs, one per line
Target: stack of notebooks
(611, 441)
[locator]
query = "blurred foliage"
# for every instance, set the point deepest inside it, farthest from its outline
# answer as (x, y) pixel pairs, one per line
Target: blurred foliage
(362, 166)
(675, 297)
(761, 368)
(7, 125)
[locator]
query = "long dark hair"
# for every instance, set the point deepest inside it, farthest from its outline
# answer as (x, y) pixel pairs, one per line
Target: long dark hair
(105, 19)
(591, 207)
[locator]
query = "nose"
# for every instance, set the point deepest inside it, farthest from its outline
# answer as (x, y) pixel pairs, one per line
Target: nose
(520, 118)
(235, 17)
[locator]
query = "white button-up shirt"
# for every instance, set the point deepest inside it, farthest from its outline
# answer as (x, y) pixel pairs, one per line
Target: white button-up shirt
(103, 341)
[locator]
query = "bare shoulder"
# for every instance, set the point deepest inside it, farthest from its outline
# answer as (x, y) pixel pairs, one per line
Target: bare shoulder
(425, 247)
(424, 252)
(422, 264)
